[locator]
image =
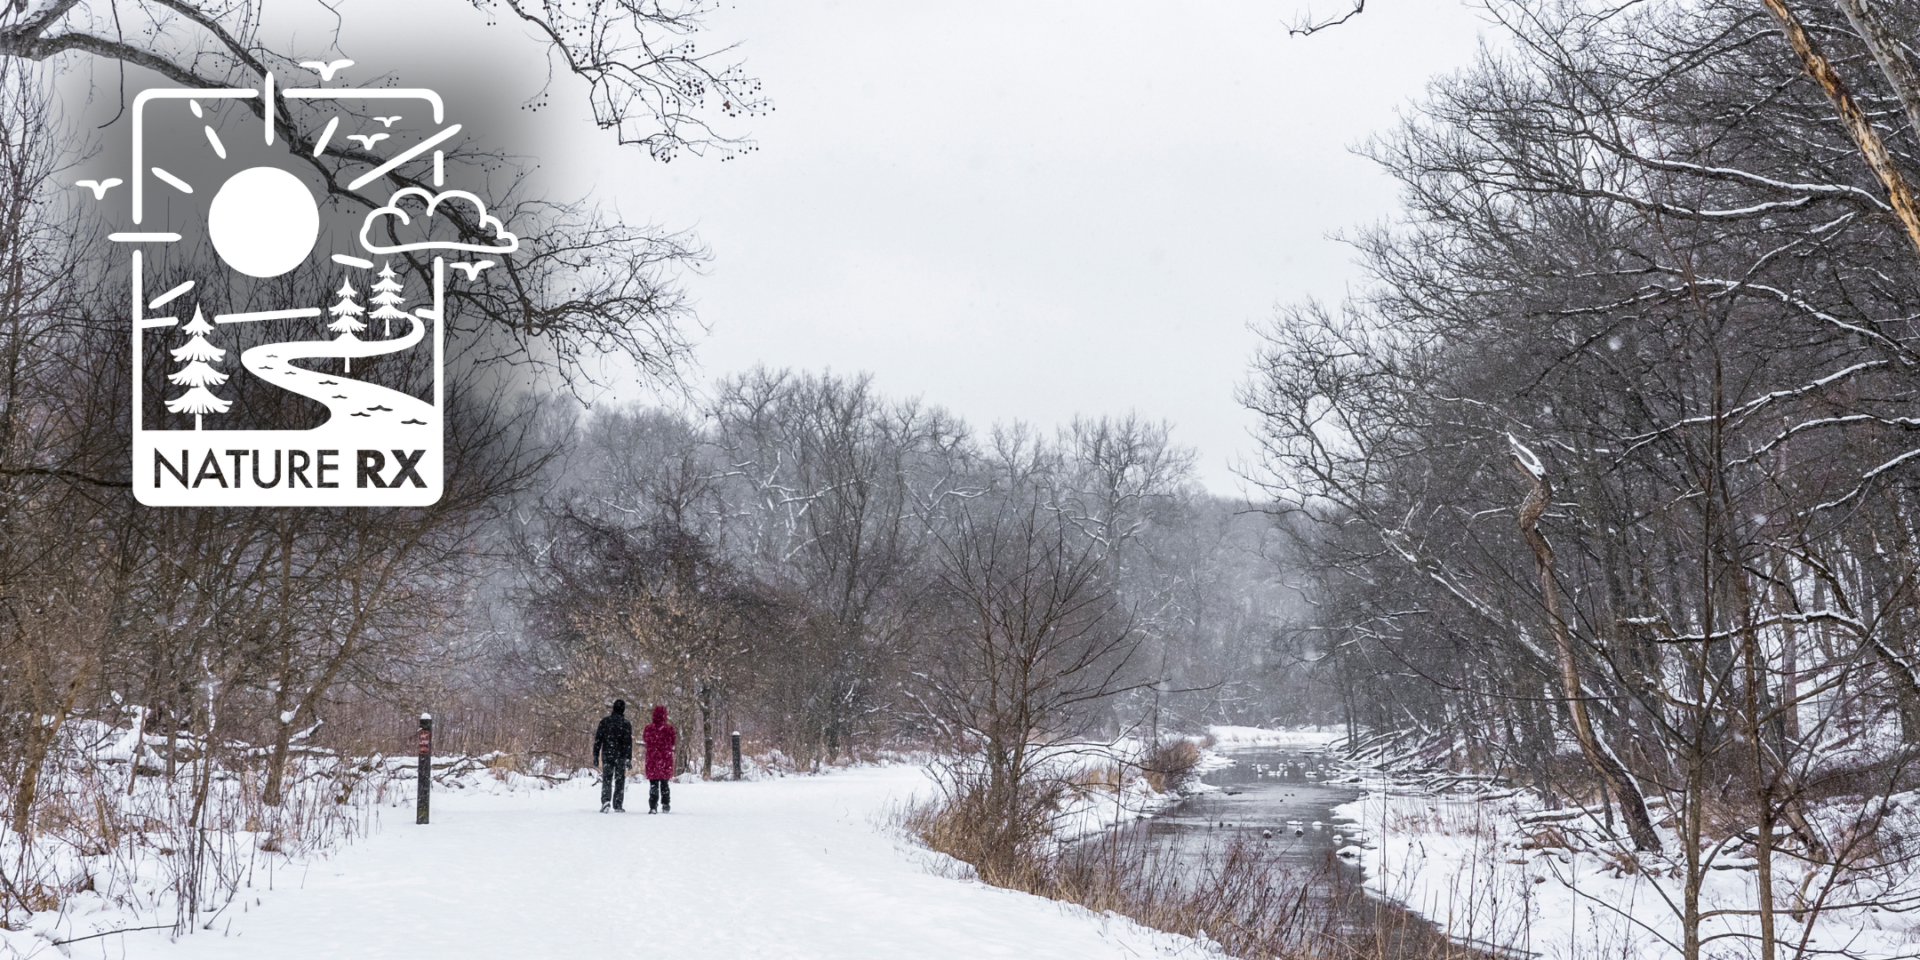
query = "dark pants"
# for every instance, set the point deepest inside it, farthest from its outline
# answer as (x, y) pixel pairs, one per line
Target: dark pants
(659, 794)
(613, 785)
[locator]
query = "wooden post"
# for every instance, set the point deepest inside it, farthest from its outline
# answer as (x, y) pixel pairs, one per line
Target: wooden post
(425, 789)
(736, 754)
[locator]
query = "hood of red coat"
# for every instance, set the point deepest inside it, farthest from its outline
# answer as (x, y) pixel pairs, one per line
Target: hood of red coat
(659, 714)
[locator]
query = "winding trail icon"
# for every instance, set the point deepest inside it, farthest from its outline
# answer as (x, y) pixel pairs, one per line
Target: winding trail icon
(344, 396)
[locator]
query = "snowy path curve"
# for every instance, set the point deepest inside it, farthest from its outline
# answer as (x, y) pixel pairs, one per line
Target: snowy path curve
(787, 868)
(349, 400)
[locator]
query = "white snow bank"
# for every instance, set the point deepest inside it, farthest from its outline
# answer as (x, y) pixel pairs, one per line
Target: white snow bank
(1485, 873)
(124, 861)
(799, 867)
(1088, 811)
(1232, 738)
(1090, 771)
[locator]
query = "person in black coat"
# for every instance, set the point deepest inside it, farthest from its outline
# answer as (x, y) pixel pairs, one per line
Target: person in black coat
(612, 751)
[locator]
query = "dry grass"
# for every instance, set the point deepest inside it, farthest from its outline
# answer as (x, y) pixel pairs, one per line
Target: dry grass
(1102, 778)
(501, 763)
(1245, 895)
(1002, 846)
(1452, 818)
(1170, 764)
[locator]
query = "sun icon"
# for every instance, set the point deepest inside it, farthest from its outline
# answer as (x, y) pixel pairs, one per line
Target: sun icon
(263, 222)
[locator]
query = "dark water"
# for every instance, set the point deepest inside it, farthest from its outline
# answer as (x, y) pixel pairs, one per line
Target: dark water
(1282, 799)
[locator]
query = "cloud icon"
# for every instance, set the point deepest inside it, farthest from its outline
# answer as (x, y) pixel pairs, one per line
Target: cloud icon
(508, 242)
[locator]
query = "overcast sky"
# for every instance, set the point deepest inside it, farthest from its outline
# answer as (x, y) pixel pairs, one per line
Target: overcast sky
(1024, 210)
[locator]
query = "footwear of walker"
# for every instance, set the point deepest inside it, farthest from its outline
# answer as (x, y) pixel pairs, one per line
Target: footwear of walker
(666, 809)
(605, 807)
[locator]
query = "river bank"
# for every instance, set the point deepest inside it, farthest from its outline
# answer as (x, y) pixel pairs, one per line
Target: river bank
(1496, 866)
(1262, 823)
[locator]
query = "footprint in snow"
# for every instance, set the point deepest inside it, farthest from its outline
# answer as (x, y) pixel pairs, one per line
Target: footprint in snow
(362, 414)
(420, 423)
(328, 383)
(377, 407)
(341, 396)
(290, 373)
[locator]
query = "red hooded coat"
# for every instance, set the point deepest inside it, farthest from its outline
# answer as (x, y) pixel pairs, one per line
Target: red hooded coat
(659, 737)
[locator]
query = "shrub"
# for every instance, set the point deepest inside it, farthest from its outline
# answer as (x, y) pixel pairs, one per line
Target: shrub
(1170, 764)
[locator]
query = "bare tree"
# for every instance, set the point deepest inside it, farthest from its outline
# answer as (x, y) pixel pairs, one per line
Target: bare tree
(1035, 644)
(825, 473)
(1690, 317)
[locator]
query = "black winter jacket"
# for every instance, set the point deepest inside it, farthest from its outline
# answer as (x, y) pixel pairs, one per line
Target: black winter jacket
(613, 741)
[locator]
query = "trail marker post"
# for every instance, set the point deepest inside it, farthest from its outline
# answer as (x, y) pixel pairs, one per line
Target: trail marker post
(425, 790)
(736, 754)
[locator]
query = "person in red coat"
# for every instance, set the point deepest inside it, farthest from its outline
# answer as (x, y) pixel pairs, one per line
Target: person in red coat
(659, 738)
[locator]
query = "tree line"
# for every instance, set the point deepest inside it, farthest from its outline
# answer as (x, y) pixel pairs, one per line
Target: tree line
(828, 568)
(1605, 481)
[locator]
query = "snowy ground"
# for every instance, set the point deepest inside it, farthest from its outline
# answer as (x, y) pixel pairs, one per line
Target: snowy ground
(1501, 870)
(1092, 803)
(788, 867)
(1236, 738)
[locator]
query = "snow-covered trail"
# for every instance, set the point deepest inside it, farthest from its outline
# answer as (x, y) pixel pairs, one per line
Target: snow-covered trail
(350, 401)
(793, 867)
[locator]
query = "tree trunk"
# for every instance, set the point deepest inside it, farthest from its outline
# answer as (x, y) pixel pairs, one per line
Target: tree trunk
(40, 741)
(139, 747)
(1692, 817)
(1633, 807)
(1888, 53)
(277, 760)
(1763, 779)
(283, 717)
(173, 744)
(1787, 720)
(207, 717)
(1899, 195)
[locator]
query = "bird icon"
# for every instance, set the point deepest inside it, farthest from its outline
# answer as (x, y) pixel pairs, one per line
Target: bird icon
(99, 187)
(387, 121)
(472, 270)
(366, 141)
(325, 70)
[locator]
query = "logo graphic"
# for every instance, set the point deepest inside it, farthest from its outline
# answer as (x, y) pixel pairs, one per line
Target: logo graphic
(303, 342)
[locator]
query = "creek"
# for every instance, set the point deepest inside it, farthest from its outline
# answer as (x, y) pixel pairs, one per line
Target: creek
(1282, 799)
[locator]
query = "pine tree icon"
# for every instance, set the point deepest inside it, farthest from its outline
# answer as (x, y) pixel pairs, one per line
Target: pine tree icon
(387, 299)
(346, 320)
(196, 375)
